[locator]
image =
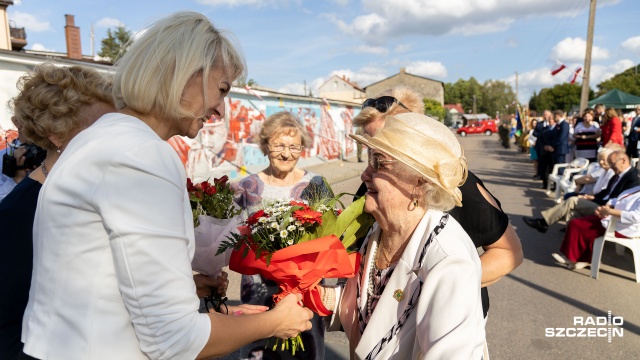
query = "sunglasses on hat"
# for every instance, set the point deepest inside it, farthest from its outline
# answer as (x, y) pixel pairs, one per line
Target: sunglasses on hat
(383, 103)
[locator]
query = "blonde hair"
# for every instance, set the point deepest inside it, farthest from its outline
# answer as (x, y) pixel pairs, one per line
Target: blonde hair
(407, 96)
(281, 123)
(51, 100)
(610, 113)
(152, 75)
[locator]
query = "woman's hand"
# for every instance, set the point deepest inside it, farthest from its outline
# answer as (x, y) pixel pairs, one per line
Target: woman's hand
(293, 318)
(603, 211)
(244, 309)
(205, 283)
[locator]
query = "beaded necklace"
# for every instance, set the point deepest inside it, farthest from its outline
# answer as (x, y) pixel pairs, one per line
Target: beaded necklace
(378, 279)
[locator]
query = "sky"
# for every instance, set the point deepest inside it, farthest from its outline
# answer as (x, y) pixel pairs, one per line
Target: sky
(288, 43)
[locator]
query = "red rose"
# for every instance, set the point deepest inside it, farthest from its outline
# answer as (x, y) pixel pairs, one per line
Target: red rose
(190, 187)
(211, 190)
(253, 219)
(222, 181)
(308, 216)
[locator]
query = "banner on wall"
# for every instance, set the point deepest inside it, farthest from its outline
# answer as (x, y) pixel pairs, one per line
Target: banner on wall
(230, 146)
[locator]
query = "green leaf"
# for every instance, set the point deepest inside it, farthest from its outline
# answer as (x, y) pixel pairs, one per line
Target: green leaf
(357, 229)
(348, 215)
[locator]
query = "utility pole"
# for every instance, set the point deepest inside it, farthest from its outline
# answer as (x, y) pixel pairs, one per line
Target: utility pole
(305, 88)
(474, 105)
(93, 39)
(516, 86)
(584, 96)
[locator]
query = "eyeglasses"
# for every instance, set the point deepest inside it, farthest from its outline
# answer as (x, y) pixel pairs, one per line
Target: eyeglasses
(376, 162)
(383, 103)
(294, 149)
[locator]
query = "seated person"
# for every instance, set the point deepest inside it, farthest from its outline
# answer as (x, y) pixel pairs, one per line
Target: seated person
(625, 178)
(576, 249)
(593, 182)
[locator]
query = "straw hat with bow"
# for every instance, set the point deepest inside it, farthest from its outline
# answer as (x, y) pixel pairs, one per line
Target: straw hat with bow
(425, 145)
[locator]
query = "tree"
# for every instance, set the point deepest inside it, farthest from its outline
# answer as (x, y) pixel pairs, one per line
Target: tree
(627, 81)
(434, 109)
(462, 92)
(115, 44)
(562, 97)
(495, 96)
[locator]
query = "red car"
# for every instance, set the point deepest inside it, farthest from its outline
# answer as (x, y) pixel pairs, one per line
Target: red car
(486, 127)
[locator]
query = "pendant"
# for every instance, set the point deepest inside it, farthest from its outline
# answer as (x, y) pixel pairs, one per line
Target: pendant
(398, 295)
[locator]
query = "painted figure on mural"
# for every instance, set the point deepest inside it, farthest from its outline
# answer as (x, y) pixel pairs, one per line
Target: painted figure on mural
(310, 122)
(329, 146)
(347, 116)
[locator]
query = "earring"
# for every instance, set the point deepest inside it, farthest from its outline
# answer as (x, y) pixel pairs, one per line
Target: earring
(415, 202)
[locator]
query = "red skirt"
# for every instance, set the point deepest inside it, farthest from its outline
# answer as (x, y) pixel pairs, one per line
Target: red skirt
(578, 240)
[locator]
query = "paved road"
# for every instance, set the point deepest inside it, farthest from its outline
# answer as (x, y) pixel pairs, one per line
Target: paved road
(539, 294)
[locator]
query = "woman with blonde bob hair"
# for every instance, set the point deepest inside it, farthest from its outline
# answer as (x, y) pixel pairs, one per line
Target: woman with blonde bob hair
(113, 233)
(417, 293)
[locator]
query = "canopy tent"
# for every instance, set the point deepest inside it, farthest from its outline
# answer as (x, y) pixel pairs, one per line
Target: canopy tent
(617, 99)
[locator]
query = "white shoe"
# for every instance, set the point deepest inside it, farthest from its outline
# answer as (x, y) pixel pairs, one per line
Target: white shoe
(560, 258)
(581, 265)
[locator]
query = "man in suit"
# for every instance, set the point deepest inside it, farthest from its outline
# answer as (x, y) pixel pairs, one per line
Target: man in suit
(537, 132)
(599, 110)
(559, 142)
(625, 178)
(634, 135)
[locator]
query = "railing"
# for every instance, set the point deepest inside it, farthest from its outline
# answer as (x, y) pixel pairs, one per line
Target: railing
(18, 33)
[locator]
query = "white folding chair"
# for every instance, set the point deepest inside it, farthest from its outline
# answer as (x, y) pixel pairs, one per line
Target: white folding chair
(632, 243)
(569, 185)
(634, 162)
(570, 169)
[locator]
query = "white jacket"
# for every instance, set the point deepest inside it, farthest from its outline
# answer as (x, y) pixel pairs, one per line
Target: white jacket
(629, 203)
(113, 242)
(447, 320)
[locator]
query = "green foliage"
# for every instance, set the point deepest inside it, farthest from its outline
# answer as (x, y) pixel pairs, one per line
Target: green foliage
(462, 91)
(115, 45)
(434, 109)
(496, 95)
(627, 81)
(491, 96)
(560, 97)
(242, 83)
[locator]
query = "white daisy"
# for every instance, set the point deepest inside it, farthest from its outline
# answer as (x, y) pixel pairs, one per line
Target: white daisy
(284, 233)
(290, 242)
(262, 220)
(291, 228)
(274, 225)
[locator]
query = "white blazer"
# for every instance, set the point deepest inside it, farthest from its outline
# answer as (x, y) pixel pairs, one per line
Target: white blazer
(446, 321)
(629, 203)
(113, 242)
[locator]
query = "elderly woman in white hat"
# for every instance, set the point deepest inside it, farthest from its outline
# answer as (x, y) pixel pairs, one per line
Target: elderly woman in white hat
(417, 294)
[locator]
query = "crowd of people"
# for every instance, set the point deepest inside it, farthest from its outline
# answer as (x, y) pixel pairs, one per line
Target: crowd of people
(606, 190)
(100, 232)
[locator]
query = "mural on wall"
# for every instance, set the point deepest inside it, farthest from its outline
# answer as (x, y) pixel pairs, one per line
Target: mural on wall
(230, 146)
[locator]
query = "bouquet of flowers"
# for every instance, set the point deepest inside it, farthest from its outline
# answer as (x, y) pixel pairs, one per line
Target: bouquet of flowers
(298, 244)
(215, 216)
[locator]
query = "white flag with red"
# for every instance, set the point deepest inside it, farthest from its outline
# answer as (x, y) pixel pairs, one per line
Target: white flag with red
(574, 75)
(559, 67)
